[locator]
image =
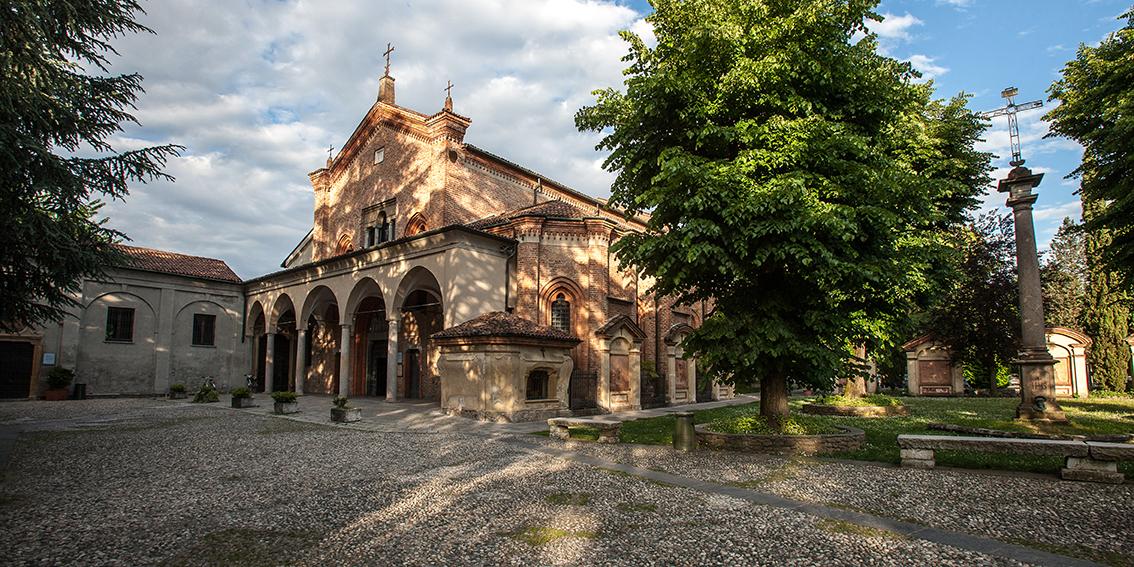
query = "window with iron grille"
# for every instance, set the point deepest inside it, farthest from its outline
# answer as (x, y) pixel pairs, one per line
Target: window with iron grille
(561, 313)
(119, 324)
(204, 329)
(538, 385)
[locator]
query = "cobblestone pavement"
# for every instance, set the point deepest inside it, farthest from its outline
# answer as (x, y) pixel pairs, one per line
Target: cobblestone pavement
(144, 482)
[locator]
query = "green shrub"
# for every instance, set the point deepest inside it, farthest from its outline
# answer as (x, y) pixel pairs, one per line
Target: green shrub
(340, 402)
(871, 400)
(206, 395)
(284, 397)
(241, 393)
(1110, 394)
(177, 388)
(60, 378)
(758, 425)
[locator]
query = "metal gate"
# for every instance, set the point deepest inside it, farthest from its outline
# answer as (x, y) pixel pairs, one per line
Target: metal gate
(653, 391)
(584, 390)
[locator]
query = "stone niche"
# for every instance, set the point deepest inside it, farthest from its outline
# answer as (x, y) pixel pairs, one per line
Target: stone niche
(681, 372)
(620, 364)
(1069, 349)
(929, 365)
(499, 367)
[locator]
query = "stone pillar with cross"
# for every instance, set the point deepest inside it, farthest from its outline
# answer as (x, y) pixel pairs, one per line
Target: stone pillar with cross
(449, 96)
(1037, 366)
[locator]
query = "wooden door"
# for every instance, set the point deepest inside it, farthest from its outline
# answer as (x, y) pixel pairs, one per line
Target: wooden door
(16, 358)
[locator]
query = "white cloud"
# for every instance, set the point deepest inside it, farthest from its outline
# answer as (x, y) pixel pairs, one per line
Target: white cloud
(927, 67)
(1073, 209)
(257, 90)
(893, 26)
(959, 4)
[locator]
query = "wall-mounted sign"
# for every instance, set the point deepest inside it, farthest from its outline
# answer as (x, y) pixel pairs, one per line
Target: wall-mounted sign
(48, 359)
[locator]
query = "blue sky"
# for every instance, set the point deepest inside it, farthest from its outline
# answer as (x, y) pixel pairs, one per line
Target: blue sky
(257, 89)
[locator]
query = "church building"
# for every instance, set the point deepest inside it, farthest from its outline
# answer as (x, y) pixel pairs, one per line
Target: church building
(438, 270)
(433, 270)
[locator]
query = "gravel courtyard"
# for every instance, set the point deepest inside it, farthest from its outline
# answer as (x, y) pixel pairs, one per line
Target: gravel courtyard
(153, 482)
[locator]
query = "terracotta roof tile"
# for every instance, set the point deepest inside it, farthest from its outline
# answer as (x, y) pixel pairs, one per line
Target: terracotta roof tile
(500, 324)
(547, 209)
(151, 260)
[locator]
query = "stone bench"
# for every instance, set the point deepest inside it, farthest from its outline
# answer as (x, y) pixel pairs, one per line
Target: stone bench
(1085, 460)
(559, 428)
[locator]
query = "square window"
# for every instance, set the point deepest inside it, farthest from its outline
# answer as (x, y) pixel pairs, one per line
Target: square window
(538, 385)
(204, 329)
(119, 324)
(379, 155)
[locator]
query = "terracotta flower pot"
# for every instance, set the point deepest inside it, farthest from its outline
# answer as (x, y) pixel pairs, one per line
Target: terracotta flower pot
(56, 395)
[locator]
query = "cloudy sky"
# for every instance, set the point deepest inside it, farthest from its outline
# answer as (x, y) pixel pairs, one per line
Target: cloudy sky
(256, 91)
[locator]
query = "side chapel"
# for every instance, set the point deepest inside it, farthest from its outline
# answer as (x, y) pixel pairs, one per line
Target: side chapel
(437, 270)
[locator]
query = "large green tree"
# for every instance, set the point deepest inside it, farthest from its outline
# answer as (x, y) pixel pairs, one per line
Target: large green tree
(59, 106)
(792, 174)
(1106, 316)
(1096, 109)
(1064, 277)
(977, 314)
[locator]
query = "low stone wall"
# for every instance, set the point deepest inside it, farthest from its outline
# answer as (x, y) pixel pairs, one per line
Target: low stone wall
(849, 440)
(855, 411)
(513, 417)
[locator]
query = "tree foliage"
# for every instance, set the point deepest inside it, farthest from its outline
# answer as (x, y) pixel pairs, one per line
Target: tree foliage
(1106, 316)
(56, 161)
(1096, 109)
(978, 315)
(791, 173)
(1064, 277)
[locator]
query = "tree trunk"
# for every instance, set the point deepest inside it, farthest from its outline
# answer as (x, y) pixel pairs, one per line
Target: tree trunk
(774, 398)
(855, 387)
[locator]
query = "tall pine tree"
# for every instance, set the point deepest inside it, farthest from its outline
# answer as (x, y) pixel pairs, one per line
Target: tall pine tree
(55, 158)
(1106, 318)
(1064, 276)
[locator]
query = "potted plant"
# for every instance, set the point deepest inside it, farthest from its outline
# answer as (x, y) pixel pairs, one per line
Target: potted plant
(241, 398)
(343, 413)
(285, 402)
(57, 382)
(177, 391)
(206, 394)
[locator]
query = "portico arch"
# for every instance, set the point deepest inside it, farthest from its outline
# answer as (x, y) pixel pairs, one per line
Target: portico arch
(366, 311)
(421, 313)
(323, 341)
(279, 350)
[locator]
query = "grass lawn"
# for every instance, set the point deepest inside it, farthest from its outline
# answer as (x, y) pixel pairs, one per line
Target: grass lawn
(1088, 416)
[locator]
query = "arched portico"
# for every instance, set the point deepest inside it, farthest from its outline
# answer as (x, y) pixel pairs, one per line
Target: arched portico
(322, 339)
(280, 347)
(420, 313)
(367, 313)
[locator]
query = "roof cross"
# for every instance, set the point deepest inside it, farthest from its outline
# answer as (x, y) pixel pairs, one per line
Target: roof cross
(449, 90)
(1013, 127)
(330, 148)
(389, 50)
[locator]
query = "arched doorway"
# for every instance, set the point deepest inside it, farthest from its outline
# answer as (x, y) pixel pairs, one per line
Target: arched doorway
(322, 341)
(421, 315)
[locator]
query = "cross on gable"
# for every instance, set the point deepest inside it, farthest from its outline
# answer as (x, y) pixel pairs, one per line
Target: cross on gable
(389, 50)
(449, 89)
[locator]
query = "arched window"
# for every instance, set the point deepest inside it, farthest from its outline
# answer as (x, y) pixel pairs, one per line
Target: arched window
(561, 313)
(416, 225)
(344, 244)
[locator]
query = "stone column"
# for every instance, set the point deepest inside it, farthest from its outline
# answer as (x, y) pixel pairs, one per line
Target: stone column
(1037, 373)
(345, 365)
(392, 360)
(300, 359)
(269, 362)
